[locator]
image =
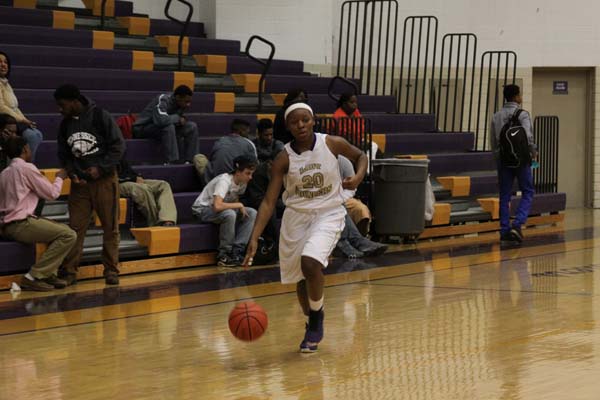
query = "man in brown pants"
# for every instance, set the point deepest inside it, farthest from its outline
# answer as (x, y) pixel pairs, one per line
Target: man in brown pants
(90, 146)
(21, 186)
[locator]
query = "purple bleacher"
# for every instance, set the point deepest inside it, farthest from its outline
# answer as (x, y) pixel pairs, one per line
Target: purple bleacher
(167, 27)
(323, 104)
(542, 203)
(442, 164)
(432, 142)
(41, 36)
(117, 101)
(182, 178)
(16, 257)
(91, 79)
(24, 16)
(245, 65)
(209, 125)
(47, 123)
(46, 156)
(217, 124)
(139, 151)
(214, 46)
(312, 84)
(53, 56)
(184, 201)
(198, 237)
(384, 123)
(123, 8)
(484, 184)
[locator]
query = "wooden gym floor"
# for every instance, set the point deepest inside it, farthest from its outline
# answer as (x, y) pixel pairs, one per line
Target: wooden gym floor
(446, 319)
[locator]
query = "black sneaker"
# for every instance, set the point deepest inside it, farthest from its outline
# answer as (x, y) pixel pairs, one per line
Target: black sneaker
(517, 234)
(227, 261)
(509, 238)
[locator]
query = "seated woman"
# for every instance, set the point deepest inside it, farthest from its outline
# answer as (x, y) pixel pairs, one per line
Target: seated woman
(353, 131)
(10, 105)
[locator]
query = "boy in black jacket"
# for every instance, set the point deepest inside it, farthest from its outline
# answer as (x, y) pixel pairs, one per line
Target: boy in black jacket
(90, 146)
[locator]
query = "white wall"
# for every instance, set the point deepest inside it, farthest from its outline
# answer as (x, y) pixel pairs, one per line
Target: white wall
(156, 9)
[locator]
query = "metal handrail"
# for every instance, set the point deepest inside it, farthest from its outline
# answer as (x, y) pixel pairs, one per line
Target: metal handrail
(369, 45)
(102, 13)
(266, 64)
(469, 41)
(348, 82)
(507, 54)
(546, 134)
(184, 28)
(414, 42)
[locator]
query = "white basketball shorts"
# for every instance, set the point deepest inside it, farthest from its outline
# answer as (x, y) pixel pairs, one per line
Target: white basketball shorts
(312, 234)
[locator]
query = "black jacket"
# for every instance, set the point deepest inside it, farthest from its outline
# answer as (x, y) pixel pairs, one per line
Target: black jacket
(91, 140)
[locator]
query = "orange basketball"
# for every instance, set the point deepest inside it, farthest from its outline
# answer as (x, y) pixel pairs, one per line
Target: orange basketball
(248, 321)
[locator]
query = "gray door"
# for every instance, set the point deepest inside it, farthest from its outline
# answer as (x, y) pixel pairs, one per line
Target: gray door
(573, 111)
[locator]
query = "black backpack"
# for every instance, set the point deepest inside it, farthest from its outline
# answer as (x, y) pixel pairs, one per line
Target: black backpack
(513, 143)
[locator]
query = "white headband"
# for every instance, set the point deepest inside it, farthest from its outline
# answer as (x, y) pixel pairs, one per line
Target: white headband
(297, 106)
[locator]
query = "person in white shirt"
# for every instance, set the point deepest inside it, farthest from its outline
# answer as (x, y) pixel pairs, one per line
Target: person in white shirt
(314, 216)
(219, 203)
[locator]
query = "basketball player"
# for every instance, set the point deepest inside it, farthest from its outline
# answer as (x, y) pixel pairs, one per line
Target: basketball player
(314, 216)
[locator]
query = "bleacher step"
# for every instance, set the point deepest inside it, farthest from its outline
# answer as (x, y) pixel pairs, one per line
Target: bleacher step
(127, 249)
(216, 83)
(171, 63)
(123, 42)
(470, 215)
(93, 23)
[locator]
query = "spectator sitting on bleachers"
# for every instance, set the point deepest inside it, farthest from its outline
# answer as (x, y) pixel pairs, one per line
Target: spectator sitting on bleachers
(358, 211)
(90, 147)
(352, 243)
(21, 186)
(10, 105)
(152, 197)
(8, 129)
(254, 195)
(163, 120)
(266, 147)
(280, 130)
(347, 107)
(229, 147)
(353, 131)
(219, 203)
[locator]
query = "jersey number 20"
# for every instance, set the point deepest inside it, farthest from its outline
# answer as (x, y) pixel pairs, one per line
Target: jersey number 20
(313, 181)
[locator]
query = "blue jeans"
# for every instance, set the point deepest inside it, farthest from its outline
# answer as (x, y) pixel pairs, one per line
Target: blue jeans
(179, 142)
(33, 137)
(506, 178)
(234, 228)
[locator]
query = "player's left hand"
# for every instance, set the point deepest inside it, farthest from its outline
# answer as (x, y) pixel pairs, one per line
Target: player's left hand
(350, 183)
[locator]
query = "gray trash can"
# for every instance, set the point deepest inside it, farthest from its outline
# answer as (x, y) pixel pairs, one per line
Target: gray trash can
(399, 196)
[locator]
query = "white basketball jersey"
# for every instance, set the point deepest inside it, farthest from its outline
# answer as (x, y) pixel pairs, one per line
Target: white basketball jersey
(313, 180)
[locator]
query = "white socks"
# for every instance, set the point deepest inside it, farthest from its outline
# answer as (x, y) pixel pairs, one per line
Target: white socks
(315, 305)
(28, 276)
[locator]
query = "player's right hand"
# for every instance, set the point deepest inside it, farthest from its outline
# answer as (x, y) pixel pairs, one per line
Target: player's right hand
(250, 252)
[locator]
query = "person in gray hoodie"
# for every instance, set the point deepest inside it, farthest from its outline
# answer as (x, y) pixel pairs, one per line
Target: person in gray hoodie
(90, 146)
(163, 120)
